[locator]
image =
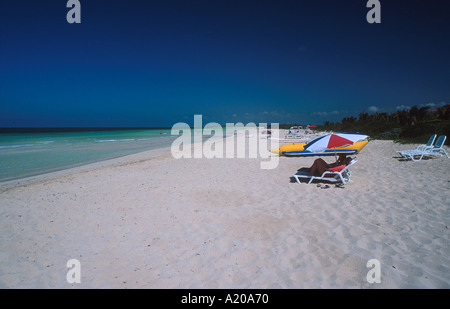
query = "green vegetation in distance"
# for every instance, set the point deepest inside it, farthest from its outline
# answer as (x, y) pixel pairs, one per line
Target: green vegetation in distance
(415, 125)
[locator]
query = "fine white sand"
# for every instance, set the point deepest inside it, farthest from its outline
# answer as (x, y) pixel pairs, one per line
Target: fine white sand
(151, 221)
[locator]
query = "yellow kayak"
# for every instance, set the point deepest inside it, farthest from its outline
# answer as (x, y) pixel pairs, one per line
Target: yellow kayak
(296, 150)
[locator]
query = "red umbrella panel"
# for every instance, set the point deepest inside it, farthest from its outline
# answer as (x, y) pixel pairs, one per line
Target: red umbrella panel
(338, 141)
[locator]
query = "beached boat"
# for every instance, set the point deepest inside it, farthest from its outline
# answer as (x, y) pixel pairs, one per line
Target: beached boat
(297, 150)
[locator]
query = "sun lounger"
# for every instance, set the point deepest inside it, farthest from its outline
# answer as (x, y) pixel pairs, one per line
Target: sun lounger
(429, 144)
(436, 150)
(343, 176)
(419, 150)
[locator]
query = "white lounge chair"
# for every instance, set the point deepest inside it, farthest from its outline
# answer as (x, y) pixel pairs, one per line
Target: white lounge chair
(342, 176)
(411, 153)
(429, 144)
(436, 150)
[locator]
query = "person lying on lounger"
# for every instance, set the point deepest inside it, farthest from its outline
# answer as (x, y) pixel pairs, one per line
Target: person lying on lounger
(320, 166)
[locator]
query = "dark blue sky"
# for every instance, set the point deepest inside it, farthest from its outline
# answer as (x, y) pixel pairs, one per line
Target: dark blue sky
(158, 62)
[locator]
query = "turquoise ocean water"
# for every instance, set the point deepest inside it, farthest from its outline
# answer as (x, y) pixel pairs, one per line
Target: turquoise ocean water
(27, 154)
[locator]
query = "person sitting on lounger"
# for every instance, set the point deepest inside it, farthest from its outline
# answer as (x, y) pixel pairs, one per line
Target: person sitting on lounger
(320, 166)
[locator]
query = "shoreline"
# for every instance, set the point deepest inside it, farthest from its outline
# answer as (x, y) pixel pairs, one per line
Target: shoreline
(85, 167)
(127, 159)
(113, 157)
(79, 165)
(25, 155)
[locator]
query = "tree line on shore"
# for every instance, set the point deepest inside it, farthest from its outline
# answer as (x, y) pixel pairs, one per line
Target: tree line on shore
(413, 125)
(407, 125)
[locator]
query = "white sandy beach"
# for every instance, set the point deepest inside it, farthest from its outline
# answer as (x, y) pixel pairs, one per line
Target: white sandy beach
(151, 221)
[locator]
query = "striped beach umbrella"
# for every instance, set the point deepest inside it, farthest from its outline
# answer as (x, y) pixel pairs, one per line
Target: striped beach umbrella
(334, 140)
